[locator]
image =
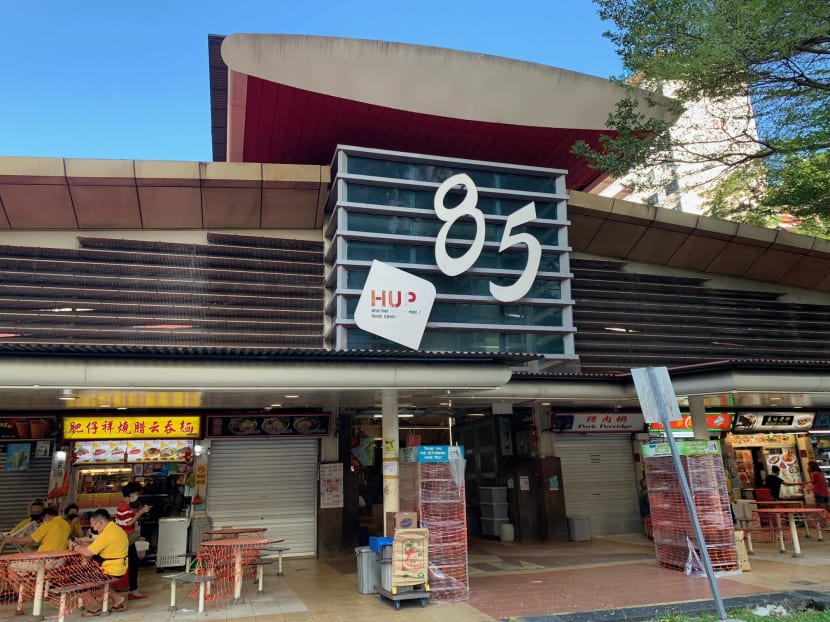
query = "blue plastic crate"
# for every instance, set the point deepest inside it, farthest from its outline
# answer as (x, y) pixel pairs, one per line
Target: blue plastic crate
(376, 543)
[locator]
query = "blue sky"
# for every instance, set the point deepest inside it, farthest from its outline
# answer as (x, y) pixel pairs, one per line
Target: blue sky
(130, 79)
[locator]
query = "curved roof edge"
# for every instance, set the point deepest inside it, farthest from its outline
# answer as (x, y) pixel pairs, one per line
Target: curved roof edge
(431, 80)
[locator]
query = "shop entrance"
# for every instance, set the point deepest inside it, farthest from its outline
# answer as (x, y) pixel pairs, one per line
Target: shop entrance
(266, 483)
(599, 483)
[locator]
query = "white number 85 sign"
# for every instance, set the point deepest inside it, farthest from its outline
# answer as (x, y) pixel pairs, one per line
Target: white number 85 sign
(453, 266)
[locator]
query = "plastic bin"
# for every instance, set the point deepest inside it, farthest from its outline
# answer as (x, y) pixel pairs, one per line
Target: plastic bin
(492, 526)
(492, 494)
(368, 570)
(579, 528)
(494, 510)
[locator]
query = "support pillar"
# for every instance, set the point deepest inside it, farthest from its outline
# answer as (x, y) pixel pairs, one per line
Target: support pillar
(697, 408)
(391, 455)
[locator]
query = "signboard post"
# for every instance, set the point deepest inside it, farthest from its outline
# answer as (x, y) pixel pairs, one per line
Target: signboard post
(659, 405)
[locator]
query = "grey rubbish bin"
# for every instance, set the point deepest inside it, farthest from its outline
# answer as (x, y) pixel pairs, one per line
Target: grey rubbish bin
(579, 528)
(368, 570)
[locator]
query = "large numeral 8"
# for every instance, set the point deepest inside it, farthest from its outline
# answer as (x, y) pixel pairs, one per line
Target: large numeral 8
(453, 266)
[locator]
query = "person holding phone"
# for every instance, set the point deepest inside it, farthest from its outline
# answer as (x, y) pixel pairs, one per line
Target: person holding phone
(127, 515)
(109, 552)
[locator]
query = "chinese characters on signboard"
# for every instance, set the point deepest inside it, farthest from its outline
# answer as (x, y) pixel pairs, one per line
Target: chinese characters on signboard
(597, 422)
(331, 485)
(158, 426)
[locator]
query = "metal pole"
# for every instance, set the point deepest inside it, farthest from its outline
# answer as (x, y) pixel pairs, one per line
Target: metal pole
(690, 503)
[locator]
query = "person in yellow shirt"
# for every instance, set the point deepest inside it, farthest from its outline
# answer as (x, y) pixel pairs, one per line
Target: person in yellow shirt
(109, 550)
(52, 535)
(35, 516)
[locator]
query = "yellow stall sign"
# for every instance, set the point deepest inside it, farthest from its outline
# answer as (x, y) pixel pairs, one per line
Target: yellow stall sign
(158, 426)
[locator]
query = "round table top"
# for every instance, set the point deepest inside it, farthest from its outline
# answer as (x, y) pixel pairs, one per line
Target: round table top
(235, 531)
(238, 542)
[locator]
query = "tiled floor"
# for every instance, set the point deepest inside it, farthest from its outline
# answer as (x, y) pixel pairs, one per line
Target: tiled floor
(506, 579)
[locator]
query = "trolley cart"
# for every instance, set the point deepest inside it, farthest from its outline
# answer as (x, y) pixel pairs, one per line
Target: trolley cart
(416, 592)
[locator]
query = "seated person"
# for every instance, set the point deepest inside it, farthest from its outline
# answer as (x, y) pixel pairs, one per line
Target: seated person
(71, 513)
(109, 551)
(52, 535)
(35, 515)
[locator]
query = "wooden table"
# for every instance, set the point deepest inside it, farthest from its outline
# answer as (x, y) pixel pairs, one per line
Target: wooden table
(36, 563)
(228, 533)
(793, 514)
(234, 549)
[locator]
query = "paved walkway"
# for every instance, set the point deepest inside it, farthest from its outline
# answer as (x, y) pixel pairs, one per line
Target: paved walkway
(534, 581)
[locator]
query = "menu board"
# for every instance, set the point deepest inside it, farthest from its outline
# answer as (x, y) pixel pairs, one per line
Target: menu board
(773, 421)
(271, 426)
(132, 451)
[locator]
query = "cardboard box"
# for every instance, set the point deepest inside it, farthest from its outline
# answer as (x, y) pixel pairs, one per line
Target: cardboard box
(410, 557)
(400, 520)
(743, 557)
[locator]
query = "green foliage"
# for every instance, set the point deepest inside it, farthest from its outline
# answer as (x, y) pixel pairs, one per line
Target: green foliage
(747, 616)
(776, 52)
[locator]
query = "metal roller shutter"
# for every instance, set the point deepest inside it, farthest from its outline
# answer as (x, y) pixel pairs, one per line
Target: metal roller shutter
(263, 483)
(19, 489)
(599, 482)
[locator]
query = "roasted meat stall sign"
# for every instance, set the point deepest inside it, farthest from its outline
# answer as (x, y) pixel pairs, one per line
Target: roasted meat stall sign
(107, 428)
(277, 425)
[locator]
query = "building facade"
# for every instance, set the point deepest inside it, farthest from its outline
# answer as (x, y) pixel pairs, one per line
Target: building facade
(141, 292)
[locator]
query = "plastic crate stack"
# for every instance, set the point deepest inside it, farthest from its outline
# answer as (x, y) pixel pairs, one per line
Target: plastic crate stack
(493, 504)
(670, 518)
(429, 489)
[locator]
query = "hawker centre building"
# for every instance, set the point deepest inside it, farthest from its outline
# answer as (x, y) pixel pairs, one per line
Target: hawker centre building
(392, 245)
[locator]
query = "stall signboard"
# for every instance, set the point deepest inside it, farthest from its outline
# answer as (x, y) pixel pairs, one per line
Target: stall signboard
(684, 448)
(27, 428)
(120, 451)
(133, 399)
(596, 422)
(767, 439)
(773, 421)
(282, 425)
(152, 427)
(718, 422)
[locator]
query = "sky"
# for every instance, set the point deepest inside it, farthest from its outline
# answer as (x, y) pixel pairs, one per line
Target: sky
(93, 79)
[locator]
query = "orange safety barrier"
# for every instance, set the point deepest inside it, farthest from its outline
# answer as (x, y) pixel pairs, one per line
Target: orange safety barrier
(229, 561)
(49, 578)
(671, 522)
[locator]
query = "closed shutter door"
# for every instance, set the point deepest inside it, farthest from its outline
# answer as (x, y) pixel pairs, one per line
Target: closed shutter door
(20, 489)
(270, 484)
(599, 482)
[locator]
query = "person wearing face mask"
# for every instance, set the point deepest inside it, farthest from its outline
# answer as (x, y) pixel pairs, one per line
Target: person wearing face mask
(72, 516)
(127, 515)
(27, 526)
(51, 535)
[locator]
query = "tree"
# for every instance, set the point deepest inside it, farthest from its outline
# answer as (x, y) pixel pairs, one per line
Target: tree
(772, 53)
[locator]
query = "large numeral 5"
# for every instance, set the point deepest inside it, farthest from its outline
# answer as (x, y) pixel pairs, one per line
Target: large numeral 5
(517, 291)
